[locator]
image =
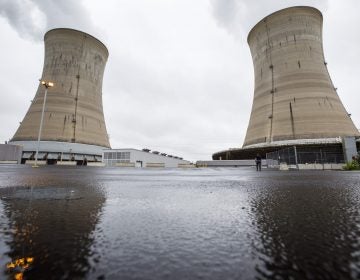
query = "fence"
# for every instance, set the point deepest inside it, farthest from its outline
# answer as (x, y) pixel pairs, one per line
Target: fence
(293, 156)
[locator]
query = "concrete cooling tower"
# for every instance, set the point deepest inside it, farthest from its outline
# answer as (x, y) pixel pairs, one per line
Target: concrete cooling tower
(295, 101)
(73, 124)
(294, 96)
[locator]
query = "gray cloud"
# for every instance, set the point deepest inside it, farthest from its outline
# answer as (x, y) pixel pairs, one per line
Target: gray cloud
(227, 12)
(32, 18)
(239, 16)
(24, 17)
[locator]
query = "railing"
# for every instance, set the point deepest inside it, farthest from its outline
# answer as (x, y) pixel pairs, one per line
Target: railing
(293, 156)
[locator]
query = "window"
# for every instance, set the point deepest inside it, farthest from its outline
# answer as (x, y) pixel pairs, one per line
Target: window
(111, 158)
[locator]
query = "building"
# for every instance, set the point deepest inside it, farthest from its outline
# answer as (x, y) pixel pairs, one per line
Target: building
(295, 102)
(10, 153)
(73, 124)
(142, 158)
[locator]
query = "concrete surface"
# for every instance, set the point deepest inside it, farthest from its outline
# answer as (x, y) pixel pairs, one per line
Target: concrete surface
(155, 224)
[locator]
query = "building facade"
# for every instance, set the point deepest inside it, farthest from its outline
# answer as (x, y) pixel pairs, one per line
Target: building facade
(10, 153)
(141, 158)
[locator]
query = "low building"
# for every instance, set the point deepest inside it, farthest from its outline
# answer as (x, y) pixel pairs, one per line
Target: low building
(141, 158)
(10, 153)
(52, 152)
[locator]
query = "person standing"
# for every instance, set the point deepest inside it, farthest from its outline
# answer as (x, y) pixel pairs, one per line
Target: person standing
(258, 162)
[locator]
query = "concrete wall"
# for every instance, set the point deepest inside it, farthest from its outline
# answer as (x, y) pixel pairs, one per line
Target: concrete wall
(10, 153)
(294, 97)
(75, 62)
(310, 166)
(349, 148)
(227, 163)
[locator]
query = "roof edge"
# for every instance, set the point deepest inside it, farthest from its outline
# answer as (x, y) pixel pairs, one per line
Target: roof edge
(78, 31)
(279, 11)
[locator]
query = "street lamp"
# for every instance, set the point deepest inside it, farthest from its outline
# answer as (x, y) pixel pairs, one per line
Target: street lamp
(47, 85)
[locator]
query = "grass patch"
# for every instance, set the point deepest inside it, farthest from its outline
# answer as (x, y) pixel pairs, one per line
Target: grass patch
(352, 165)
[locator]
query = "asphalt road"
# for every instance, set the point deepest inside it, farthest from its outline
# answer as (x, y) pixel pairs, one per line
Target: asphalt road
(112, 223)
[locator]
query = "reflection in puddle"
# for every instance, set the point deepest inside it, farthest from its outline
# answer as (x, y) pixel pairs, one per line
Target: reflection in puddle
(50, 229)
(76, 223)
(307, 232)
(17, 267)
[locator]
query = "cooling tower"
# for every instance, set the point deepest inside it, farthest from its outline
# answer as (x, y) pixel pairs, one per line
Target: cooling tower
(73, 120)
(294, 97)
(295, 102)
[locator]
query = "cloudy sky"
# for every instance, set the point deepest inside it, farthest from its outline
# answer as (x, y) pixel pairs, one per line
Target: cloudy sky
(179, 78)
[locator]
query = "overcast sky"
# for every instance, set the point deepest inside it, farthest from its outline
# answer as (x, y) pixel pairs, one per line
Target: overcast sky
(179, 77)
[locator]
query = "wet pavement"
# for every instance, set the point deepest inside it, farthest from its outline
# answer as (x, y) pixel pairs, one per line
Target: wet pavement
(112, 223)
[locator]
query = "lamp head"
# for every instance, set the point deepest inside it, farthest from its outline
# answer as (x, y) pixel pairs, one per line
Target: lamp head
(47, 84)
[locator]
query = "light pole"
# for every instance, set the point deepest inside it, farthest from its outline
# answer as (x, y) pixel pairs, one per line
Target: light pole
(47, 85)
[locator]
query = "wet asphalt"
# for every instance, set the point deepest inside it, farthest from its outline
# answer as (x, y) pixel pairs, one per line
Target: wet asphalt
(206, 223)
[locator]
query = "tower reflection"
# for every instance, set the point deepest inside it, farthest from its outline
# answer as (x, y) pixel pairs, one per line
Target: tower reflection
(307, 231)
(50, 227)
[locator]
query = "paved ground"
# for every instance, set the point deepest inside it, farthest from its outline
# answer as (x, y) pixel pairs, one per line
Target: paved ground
(111, 223)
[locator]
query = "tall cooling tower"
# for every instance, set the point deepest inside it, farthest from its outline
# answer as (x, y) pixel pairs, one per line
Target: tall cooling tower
(73, 120)
(294, 97)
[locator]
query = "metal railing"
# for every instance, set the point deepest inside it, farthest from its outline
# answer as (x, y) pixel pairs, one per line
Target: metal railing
(293, 156)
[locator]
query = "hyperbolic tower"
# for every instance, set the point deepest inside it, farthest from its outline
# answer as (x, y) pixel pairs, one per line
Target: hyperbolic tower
(74, 119)
(295, 101)
(294, 97)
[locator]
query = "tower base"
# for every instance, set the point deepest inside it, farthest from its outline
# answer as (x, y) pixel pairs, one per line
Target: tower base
(52, 151)
(327, 150)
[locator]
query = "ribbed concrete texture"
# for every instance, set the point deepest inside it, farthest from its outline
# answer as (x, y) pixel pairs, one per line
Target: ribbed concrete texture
(294, 97)
(74, 62)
